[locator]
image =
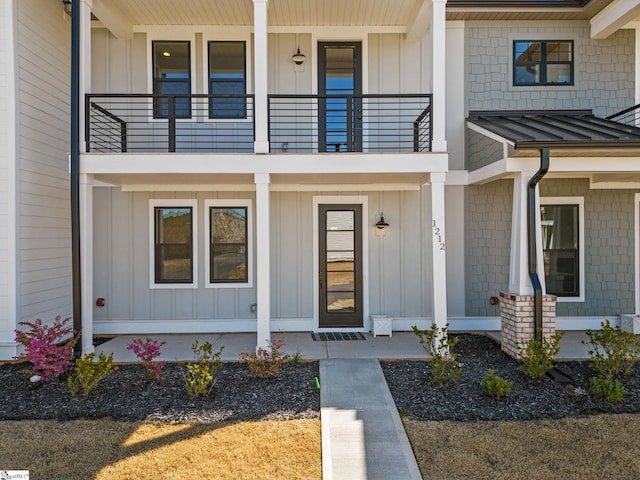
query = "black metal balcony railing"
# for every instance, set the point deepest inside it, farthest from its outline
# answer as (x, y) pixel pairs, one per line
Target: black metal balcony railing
(350, 123)
(629, 116)
(169, 123)
(119, 123)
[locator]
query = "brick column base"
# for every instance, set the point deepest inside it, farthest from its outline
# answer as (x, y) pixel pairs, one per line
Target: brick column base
(518, 320)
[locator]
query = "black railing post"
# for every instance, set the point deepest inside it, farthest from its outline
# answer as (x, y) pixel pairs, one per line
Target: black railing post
(123, 137)
(87, 122)
(350, 119)
(171, 100)
(430, 122)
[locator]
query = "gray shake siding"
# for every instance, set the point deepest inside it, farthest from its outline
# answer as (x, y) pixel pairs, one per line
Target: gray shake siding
(487, 238)
(604, 70)
(609, 248)
(481, 150)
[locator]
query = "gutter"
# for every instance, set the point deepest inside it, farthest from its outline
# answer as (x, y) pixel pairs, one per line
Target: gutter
(532, 240)
(75, 172)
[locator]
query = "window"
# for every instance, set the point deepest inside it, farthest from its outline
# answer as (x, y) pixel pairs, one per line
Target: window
(173, 257)
(171, 76)
(562, 240)
(229, 255)
(541, 62)
(227, 76)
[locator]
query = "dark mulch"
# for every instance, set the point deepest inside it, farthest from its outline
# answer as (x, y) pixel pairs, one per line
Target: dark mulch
(129, 395)
(464, 400)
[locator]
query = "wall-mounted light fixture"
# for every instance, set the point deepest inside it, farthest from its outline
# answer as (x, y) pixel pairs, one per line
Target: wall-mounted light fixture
(381, 226)
(298, 58)
(66, 5)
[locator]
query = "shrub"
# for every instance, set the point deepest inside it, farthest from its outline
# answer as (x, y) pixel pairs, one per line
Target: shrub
(439, 346)
(495, 386)
(613, 352)
(264, 362)
(87, 373)
(537, 355)
(607, 389)
(200, 376)
(296, 358)
(146, 351)
(45, 349)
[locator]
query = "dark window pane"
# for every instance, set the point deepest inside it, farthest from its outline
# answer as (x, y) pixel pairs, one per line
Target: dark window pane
(228, 244)
(227, 76)
(172, 76)
(528, 74)
(173, 240)
(560, 234)
(559, 73)
(341, 302)
(543, 63)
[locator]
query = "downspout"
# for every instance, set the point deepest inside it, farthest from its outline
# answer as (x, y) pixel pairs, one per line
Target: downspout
(75, 170)
(532, 240)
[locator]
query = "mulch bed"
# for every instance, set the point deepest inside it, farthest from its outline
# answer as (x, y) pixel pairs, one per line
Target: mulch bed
(129, 395)
(464, 400)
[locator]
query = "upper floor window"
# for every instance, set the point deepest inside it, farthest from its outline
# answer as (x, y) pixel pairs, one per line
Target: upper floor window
(227, 76)
(541, 62)
(171, 76)
(562, 246)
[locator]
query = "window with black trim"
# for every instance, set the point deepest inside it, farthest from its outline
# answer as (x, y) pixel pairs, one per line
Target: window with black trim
(561, 249)
(173, 240)
(171, 76)
(543, 62)
(227, 76)
(228, 243)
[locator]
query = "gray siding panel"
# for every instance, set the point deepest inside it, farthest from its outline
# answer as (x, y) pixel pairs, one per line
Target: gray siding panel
(604, 71)
(487, 238)
(481, 150)
(43, 66)
(609, 248)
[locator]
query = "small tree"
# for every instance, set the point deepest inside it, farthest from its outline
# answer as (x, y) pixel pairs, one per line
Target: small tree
(439, 346)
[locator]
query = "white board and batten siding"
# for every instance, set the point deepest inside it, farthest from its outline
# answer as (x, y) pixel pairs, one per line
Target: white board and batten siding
(43, 130)
(398, 282)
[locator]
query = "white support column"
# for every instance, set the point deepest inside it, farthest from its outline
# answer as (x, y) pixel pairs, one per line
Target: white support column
(85, 63)
(438, 250)
(438, 74)
(519, 281)
(86, 260)
(260, 88)
(263, 254)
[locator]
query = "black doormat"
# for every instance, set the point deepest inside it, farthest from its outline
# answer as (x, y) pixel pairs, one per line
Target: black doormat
(338, 336)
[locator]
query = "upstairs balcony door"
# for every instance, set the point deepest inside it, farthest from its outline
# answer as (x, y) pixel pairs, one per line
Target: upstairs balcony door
(340, 112)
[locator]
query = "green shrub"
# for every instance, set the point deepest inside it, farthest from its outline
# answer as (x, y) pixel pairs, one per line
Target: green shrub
(607, 389)
(199, 378)
(87, 373)
(265, 363)
(613, 351)
(296, 358)
(495, 386)
(537, 355)
(439, 346)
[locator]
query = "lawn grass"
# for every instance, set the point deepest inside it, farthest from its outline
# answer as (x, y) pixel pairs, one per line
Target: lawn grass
(103, 449)
(598, 447)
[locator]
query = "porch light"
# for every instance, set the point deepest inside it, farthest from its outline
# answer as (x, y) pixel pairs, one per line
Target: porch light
(298, 58)
(381, 225)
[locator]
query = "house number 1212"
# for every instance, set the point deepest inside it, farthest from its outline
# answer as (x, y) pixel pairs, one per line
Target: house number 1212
(436, 233)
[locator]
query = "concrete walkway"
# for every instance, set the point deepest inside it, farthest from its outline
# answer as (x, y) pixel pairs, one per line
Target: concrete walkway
(362, 435)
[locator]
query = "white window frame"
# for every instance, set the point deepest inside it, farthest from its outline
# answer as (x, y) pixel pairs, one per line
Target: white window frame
(579, 201)
(242, 202)
(185, 203)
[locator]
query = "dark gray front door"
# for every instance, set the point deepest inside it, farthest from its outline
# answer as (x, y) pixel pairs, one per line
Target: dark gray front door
(340, 282)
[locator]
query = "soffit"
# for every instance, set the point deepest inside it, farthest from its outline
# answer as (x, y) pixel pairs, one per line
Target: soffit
(523, 10)
(281, 12)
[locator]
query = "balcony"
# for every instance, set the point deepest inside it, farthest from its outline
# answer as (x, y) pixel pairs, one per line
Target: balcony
(199, 123)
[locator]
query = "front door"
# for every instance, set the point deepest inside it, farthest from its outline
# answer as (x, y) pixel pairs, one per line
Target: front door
(340, 282)
(340, 102)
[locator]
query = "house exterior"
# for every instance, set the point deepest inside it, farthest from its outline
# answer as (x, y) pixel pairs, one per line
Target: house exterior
(271, 165)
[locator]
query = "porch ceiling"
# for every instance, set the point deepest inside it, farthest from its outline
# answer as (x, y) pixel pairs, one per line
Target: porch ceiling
(281, 12)
(524, 10)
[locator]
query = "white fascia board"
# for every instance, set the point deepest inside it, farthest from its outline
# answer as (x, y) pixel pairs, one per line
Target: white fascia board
(615, 16)
(457, 178)
(112, 19)
(489, 134)
(421, 21)
(594, 164)
(272, 164)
